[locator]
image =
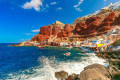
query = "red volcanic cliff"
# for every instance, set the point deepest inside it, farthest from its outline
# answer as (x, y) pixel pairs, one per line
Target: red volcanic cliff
(51, 30)
(89, 26)
(46, 30)
(118, 20)
(105, 25)
(85, 28)
(40, 37)
(55, 30)
(66, 31)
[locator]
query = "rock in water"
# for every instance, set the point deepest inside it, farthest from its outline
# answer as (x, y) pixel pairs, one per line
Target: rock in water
(95, 72)
(62, 75)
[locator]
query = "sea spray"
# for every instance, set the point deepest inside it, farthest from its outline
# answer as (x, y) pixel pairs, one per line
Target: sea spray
(52, 64)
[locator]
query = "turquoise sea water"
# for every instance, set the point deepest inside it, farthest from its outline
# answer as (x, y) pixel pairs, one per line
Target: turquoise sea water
(32, 63)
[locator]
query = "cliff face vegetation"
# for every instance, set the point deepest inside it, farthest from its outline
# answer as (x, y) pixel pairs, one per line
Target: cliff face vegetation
(88, 26)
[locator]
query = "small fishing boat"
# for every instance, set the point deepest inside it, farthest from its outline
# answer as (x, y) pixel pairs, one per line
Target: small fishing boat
(40, 47)
(69, 47)
(67, 54)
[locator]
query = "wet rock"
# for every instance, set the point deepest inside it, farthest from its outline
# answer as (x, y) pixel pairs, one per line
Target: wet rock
(62, 75)
(95, 72)
(113, 70)
(73, 77)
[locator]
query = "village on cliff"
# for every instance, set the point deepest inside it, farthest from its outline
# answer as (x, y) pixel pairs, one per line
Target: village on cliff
(97, 31)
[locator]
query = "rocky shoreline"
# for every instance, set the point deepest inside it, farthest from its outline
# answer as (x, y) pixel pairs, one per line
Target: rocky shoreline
(91, 72)
(97, 71)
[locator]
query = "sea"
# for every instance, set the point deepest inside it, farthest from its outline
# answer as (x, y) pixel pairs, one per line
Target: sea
(32, 63)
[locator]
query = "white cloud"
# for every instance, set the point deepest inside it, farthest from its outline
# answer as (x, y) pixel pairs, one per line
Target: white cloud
(35, 4)
(77, 5)
(37, 30)
(78, 9)
(53, 3)
(105, 0)
(59, 8)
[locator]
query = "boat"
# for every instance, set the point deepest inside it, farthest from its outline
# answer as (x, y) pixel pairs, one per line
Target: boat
(40, 47)
(69, 47)
(67, 54)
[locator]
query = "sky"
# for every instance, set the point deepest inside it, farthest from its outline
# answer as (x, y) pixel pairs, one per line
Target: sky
(20, 20)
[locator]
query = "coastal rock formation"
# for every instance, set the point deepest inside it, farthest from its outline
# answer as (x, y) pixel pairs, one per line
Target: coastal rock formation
(118, 20)
(66, 31)
(95, 72)
(105, 25)
(62, 75)
(80, 26)
(91, 72)
(46, 30)
(39, 37)
(55, 30)
(89, 26)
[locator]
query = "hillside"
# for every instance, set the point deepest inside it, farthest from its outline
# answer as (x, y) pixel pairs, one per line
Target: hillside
(88, 26)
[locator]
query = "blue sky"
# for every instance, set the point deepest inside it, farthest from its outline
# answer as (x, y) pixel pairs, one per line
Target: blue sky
(21, 19)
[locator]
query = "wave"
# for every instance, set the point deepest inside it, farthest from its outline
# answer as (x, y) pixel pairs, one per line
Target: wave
(48, 67)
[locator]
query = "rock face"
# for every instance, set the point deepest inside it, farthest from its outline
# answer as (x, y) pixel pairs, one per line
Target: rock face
(118, 20)
(93, 24)
(80, 26)
(89, 26)
(40, 37)
(105, 25)
(46, 30)
(85, 26)
(55, 30)
(66, 31)
(95, 72)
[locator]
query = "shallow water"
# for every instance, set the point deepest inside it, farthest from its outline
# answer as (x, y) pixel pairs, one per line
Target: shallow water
(31, 63)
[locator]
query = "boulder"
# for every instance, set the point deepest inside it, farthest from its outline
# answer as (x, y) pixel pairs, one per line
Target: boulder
(95, 72)
(62, 75)
(73, 77)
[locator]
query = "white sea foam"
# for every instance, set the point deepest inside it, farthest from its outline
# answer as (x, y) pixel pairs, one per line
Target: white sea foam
(50, 66)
